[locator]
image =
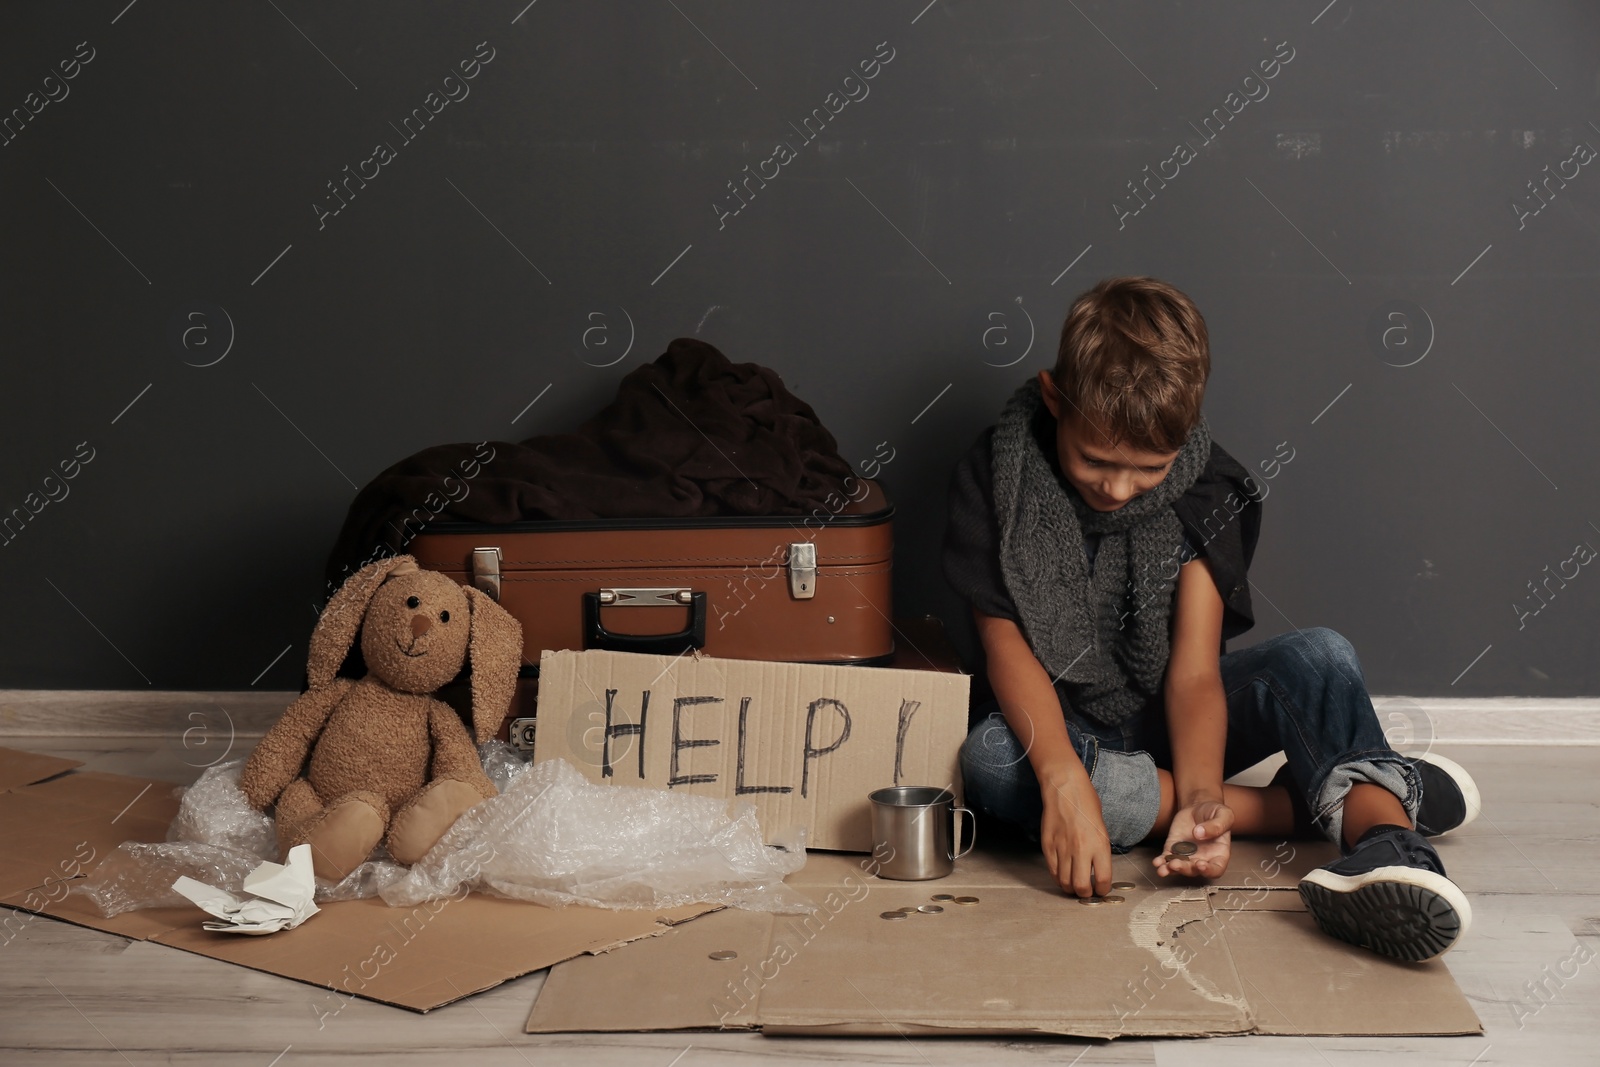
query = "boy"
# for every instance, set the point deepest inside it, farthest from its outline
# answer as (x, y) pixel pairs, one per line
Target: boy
(1102, 541)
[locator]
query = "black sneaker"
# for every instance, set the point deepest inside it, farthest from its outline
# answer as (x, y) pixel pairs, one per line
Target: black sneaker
(1450, 798)
(1390, 895)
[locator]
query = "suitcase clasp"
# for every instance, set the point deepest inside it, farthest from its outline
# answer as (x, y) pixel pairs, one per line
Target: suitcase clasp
(486, 571)
(521, 733)
(803, 570)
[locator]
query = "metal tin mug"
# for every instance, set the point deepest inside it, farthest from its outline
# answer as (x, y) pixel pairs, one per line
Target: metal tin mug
(914, 831)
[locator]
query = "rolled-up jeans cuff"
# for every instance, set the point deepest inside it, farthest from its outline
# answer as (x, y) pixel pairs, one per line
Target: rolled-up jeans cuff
(1393, 773)
(1129, 791)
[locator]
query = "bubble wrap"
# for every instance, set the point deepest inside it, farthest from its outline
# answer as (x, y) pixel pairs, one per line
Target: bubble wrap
(501, 762)
(551, 837)
(556, 838)
(214, 811)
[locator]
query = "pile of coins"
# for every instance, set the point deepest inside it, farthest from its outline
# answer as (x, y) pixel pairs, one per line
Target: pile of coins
(940, 900)
(1181, 850)
(1112, 898)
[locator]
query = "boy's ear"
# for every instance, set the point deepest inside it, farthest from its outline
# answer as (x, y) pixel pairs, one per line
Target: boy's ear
(1052, 396)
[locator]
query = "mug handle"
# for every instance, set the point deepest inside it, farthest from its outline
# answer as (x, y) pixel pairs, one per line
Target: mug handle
(971, 823)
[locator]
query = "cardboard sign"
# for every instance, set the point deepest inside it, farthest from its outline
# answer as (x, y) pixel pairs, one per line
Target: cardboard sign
(805, 742)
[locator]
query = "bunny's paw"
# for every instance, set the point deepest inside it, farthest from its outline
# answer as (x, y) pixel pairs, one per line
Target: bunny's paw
(343, 836)
(424, 819)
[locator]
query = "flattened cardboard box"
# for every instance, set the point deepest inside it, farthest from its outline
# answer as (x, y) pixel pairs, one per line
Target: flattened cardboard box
(1175, 960)
(418, 958)
(805, 742)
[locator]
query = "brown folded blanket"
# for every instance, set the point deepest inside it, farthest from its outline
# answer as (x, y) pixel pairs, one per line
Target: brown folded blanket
(690, 434)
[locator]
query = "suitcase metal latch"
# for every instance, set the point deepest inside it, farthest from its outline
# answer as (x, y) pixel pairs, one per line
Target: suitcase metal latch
(486, 571)
(803, 570)
(521, 733)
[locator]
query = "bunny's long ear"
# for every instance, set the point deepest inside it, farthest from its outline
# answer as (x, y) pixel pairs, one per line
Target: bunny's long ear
(341, 620)
(495, 648)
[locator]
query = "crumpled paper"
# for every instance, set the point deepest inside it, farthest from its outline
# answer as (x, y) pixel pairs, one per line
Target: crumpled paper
(282, 895)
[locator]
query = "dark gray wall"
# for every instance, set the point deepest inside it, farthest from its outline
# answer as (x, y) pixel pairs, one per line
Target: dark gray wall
(579, 177)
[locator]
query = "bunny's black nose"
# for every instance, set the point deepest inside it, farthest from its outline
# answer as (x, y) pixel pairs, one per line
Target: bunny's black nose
(419, 626)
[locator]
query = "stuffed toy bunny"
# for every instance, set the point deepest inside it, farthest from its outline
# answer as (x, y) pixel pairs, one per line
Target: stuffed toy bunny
(352, 761)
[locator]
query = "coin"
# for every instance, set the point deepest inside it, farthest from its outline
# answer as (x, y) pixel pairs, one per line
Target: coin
(1123, 885)
(966, 900)
(931, 909)
(909, 909)
(1184, 848)
(1115, 899)
(724, 954)
(942, 896)
(892, 915)
(1093, 902)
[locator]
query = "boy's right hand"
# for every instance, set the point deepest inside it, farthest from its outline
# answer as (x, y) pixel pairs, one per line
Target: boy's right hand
(1072, 834)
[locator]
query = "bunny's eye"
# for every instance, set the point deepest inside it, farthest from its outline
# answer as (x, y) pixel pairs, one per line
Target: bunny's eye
(444, 616)
(412, 602)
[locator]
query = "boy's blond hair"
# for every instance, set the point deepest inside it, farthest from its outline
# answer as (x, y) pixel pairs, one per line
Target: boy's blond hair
(1133, 361)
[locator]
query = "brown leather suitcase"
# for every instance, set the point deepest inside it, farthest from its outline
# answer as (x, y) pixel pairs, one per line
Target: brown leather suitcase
(812, 589)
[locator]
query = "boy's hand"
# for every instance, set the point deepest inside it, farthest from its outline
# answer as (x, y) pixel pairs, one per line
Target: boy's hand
(1072, 835)
(1208, 824)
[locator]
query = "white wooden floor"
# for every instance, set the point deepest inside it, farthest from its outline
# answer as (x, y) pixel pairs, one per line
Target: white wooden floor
(1531, 865)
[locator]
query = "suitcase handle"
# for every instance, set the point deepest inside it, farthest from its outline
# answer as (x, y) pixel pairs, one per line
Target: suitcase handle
(692, 637)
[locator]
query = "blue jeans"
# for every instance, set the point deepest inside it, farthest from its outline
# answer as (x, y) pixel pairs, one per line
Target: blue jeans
(1301, 693)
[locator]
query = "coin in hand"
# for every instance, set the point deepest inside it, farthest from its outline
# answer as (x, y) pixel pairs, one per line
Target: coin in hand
(1184, 848)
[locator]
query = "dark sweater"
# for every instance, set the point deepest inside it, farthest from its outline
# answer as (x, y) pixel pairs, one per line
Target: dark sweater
(1220, 513)
(690, 434)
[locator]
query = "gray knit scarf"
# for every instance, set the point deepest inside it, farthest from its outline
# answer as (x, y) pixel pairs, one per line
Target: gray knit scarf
(1104, 637)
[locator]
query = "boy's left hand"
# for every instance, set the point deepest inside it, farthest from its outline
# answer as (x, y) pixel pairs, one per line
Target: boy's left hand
(1208, 824)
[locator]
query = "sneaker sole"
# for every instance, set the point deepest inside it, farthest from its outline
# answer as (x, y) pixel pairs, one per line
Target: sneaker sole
(1472, 800)
(1402, 912)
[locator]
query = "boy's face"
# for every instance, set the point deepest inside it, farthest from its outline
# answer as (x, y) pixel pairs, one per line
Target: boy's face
(1106, 474)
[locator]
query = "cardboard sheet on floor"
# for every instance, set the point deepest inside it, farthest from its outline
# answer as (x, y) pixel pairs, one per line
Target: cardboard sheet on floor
(418, 958)
(804, 742)
(53, 833)
(18, 768)
(1175, 960)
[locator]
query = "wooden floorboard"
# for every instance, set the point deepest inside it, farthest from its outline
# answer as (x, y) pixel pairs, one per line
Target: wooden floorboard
(1531, 867)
